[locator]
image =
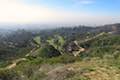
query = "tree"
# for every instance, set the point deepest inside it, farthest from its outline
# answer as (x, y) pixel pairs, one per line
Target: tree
(37, 40)
(57, 42)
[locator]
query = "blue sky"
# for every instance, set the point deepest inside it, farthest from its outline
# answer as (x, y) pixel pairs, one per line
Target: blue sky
(93, 12)
(93, 6)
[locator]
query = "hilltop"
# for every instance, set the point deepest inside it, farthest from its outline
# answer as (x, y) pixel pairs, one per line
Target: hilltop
(77, 53)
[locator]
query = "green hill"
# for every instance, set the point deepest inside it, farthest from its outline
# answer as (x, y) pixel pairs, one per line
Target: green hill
(51, 56)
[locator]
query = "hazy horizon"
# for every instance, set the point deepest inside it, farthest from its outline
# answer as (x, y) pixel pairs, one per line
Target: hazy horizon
(59, 13)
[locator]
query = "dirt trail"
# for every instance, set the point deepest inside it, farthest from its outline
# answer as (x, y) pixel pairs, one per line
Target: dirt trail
(14, 63)
(81, 49)
(89, 39)
(76, 53)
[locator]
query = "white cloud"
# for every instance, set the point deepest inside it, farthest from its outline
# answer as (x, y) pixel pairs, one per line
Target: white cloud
(14, 11)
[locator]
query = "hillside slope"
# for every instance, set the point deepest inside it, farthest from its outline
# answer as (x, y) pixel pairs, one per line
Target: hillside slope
(51, 56)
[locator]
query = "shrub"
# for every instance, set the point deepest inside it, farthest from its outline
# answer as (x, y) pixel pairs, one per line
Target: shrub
(9, 75)
(65, 59)
(48, 51)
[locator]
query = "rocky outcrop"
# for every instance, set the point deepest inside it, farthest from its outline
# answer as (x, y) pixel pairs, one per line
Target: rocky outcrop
(74, 48)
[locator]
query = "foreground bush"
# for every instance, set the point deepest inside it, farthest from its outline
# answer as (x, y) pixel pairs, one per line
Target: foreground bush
(65, 59)
(9, 75)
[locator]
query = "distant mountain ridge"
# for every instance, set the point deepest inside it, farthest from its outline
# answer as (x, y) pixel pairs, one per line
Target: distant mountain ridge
(110, 28)
(75, 29)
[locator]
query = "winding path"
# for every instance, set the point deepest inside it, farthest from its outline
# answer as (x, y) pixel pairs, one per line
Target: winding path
(15, 63)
